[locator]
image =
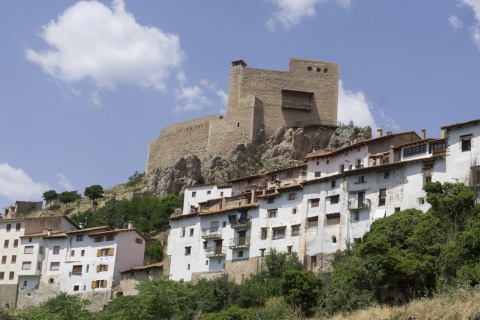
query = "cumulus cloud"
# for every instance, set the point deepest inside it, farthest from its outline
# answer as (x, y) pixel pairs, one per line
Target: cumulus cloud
(291, 11)
(15, 184)
(65, 182)
(107, 46)
(353, 106)
(474, 5)
(455, 22)
(196, 98)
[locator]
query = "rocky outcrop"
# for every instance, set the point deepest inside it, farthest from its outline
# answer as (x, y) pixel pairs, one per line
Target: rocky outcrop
(285, 147)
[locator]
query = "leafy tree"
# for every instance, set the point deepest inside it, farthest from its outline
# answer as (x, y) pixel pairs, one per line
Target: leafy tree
(154, 252)
(301, 289)
(215, 295)
(50, 195)
(94, 192)
(61, 307)
(135, 178)
(67, 197)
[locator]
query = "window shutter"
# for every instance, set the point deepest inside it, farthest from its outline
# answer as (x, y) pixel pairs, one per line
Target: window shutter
(94, 284)
(111, 251)
(104, 283)
(98, 268)
(99, 252)
(106, 267)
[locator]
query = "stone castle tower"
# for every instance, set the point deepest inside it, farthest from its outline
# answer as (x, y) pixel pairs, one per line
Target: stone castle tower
(258, 100)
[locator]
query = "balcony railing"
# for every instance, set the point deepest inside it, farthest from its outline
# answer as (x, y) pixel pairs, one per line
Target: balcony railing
(356, 205)
(242, 223)
(216, 252)
(239, 243)
(212, 233)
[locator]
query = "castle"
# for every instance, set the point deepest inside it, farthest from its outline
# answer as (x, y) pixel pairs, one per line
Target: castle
(258, 101)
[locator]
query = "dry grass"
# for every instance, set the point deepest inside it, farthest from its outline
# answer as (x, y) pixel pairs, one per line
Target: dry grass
(458, 305)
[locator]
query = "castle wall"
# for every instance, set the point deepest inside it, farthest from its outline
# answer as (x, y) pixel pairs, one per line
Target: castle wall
(180, 139)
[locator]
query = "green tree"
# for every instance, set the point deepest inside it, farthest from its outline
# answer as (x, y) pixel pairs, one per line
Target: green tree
(61, 307)
(154, 252)
(50, 195)
(67, 197)
(94, 192)
(301, 289)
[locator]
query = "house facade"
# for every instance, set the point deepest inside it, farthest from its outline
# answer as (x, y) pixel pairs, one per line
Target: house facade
(319, 208)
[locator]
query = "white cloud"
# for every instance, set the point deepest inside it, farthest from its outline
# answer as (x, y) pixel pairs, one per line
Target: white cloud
(353, 106)
(475, 28)
(106, 45)
(291, 11)
(455, 22)
(221, 94)
(190, 98)
(15, 185)
(65, 182)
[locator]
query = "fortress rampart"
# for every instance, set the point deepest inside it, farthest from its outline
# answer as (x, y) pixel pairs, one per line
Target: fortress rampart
(306, 95)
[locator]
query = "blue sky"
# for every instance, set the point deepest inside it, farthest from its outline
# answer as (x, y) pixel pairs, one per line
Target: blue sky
(86, 85)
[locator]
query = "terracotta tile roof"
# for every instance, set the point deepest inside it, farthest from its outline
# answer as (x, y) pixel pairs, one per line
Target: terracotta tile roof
(114, 231)
(54, 234)
(146, 267)
(419, 142)
(184, 216)
(461, 124)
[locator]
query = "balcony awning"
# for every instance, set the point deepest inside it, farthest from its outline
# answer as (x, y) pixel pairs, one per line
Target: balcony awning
(379, 214)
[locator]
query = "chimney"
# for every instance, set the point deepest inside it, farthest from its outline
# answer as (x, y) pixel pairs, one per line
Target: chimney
(424, 134)
(379, 132)
(389, 133)
(130, 224)
(49, 232)
(443, 133)
(81, 225)
(239, 63)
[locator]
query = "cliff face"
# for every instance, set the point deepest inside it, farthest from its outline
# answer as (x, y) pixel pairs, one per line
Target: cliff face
(285, 147)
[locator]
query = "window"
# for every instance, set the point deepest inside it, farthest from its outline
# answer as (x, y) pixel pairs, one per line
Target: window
(188, 250)
(77, 269)
(15, 243)
(109, 237)
(40, 250)
(421, 200)
(289, 174)
(4, 259)
(221, 194)
(295, 230)
(357, 240)
(262, 252)
(99, 284)
(18, 226)
(82, 253)
(289, 249)
(294, 210)
(14, 259)
(56, 250)
(334, 199)
(466, 142)
(98, 239)
(361, 179)
(192, 230)
(79, 237)
(30, 239)
(279, 233)
(240, 254)
(333, 183)
(334, 239)
(357, 216)
(413, 151)
(209, 192)
(342, 168)
(428, 179)
(263, 234)
(358, 163)
(206, 262)
(317, 174)
(5, 244)
(292, 196)
(318, 162)
(224, 224)
(50, 281)
(39, 265)
(188, 266)
(72, 253)
(205, 244)
(102, 267)
(382, 196)
(272, 213)
(386, 175)
(312, 222)
(183, 233)
(313, 262)
(11, 275)
(397, 209)
(54, 266)
(76, 288)
(88, 268)
(2, 275)
(333, 219)
(105, 252)
(270, 200)
(194, 194)
(28, 250)
(9, 227)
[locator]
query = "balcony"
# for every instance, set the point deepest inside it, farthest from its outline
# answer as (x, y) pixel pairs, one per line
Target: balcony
(212, 233)
(239, 243)
(216, 252)
(242, 223)
(354, 205)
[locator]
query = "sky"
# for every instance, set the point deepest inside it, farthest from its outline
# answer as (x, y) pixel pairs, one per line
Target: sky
(85, 85)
